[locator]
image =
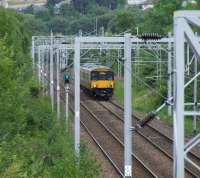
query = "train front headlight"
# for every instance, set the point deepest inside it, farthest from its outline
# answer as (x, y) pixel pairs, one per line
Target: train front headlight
(94, 85)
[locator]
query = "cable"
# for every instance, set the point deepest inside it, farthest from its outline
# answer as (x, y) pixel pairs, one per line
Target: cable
(145, 83)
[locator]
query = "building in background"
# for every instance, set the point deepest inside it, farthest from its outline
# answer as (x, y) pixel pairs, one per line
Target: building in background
(4, 3)
(186, 2)
(143, 4)
(136, 2)
(21, 4)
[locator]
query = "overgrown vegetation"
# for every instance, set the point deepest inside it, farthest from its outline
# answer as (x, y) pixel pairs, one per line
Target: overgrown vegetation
(113, 15)
(32, 144)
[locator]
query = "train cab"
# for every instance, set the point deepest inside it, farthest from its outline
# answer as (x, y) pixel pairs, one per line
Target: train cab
(99, 80)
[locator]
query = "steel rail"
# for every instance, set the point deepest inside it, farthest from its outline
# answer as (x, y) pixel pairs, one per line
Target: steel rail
(96, 142)
(119, 141)
(115, 137)
(156, 130)
(145, 137)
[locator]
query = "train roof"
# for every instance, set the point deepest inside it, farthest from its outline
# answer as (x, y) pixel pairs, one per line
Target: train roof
(91, 67)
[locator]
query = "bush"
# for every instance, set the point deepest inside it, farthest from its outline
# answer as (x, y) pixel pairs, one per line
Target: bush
(32, 144)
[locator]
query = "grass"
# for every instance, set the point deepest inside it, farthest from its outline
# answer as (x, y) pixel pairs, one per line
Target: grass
(145, 101)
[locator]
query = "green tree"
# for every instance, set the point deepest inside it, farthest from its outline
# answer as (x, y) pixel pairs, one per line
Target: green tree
(160, 18)
(124, 20)
(31, 143)
(82, 5)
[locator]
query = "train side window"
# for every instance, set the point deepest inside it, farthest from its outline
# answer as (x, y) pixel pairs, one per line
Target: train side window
(94, 75)
(85, 76)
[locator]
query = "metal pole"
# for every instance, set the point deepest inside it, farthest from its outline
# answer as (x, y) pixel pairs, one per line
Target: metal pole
(127, 107)
(102, 31)
(157, 70)
(80, 33)
(188, 59)
(160, 63)
(120, 64)
(61, 59)
(47, 71)
(33, 51)
(118, 68)
(42, 70)
(179, 99)
(169, 73)
(51, 72)
(195, 96)
(67, 106)
(58, 84)
(77, 94)
(39, 63)
(119, 72)
(137, 57)
(66, 58)
(96, 26)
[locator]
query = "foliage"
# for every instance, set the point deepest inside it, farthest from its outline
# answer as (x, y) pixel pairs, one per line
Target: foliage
(110, 14)
(69, 12)
(58, 24)
(82, 6)
(32, 144)
(111, 4)
(50, 4)
(35, 25)
(124, 20)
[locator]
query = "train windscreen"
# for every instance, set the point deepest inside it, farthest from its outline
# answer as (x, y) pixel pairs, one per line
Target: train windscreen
(103, 75)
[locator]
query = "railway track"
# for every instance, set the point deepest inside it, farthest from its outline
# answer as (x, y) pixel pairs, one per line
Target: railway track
(154, 137)
(193, 155)
(113, 158)
(111, 146)
(107, 138)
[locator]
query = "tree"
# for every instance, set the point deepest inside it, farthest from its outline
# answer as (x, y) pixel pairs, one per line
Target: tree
(58, 24)
(81, 5)
(160, 18)
(123, 21)
(31, 143)
(52, 2)
(111, 4)
(68, 11)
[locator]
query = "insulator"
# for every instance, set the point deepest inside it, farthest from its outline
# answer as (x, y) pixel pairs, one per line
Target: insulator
(150, 36)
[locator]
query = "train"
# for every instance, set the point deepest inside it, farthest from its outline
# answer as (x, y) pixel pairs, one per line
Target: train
(97, 79)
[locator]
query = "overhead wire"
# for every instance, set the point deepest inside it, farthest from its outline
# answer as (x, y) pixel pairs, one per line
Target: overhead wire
(145, 83)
